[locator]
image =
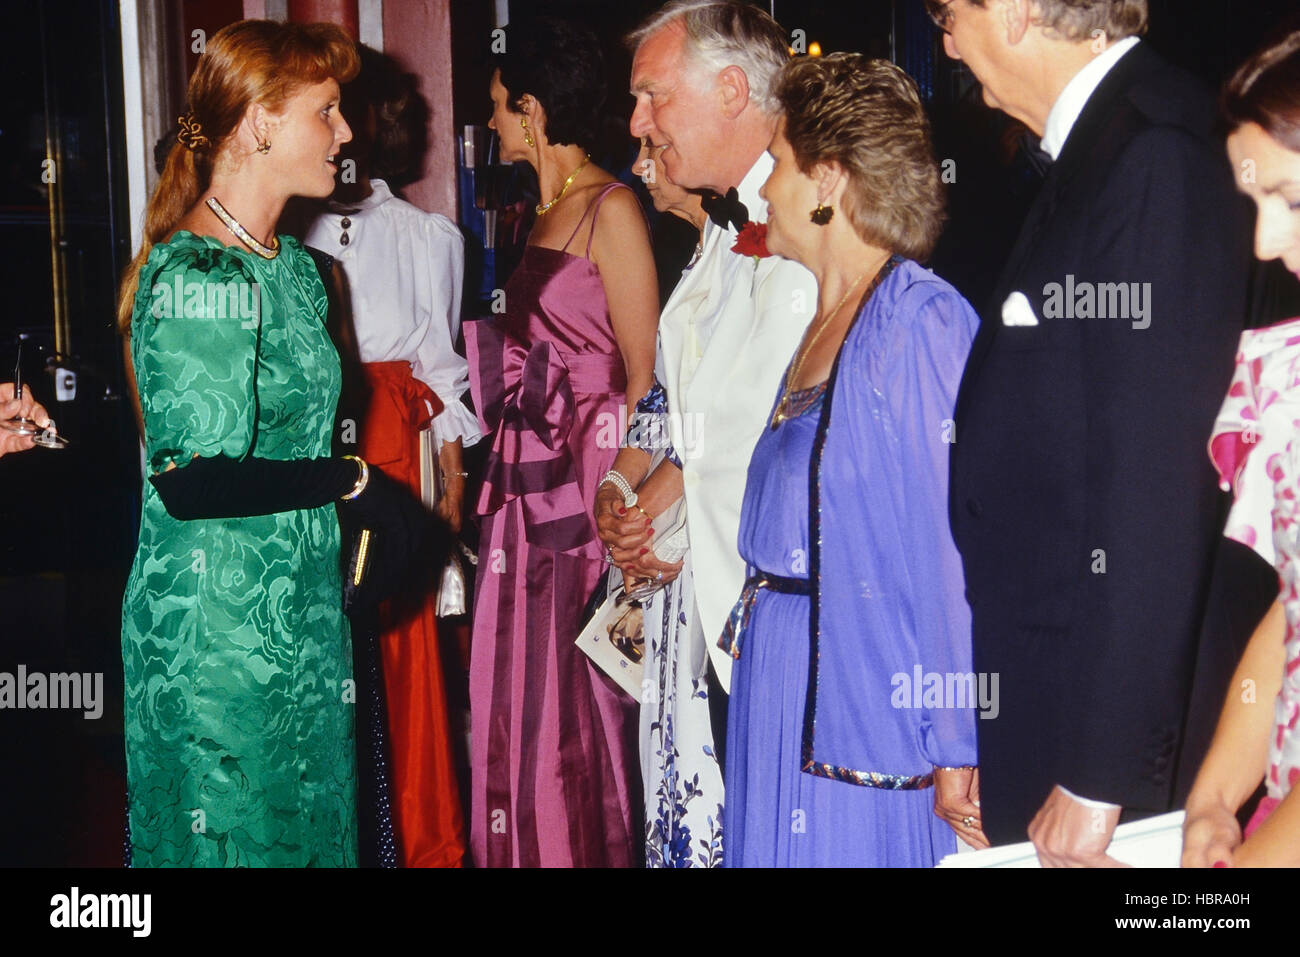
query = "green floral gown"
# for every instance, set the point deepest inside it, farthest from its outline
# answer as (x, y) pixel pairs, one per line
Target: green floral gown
(239, 714)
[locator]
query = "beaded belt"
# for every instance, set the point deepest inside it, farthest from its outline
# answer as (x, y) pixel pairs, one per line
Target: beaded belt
(738, 620)
(869, 779)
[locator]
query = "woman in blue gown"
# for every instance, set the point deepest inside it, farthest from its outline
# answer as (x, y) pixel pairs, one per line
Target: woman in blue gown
(852, 695)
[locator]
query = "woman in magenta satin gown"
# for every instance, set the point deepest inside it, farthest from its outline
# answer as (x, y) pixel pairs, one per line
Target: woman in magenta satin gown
(552, 739)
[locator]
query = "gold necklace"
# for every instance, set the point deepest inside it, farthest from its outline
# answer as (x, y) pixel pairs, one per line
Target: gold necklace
(792, 373)
(242, 234)
(544, 208)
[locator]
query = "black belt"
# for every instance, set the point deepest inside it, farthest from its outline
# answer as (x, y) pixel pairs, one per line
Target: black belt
(738, 620)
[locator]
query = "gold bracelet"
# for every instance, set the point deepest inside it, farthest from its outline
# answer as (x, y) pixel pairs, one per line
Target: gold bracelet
(362, 479)
(644, 512)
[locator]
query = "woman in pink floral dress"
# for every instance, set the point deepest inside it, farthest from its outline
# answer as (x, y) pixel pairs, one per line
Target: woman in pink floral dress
(1256, 448)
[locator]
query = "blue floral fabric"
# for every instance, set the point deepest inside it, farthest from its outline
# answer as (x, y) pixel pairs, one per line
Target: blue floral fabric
(647, 428)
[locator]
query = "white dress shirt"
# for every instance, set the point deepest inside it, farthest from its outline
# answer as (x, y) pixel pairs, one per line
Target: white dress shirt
(726, 336)
(404, 269)
(1065, 111)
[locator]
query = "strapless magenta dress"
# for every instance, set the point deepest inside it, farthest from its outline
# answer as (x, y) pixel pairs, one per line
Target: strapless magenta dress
(553, 749)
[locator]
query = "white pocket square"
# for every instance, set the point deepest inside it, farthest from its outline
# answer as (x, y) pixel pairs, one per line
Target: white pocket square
(1017, 311)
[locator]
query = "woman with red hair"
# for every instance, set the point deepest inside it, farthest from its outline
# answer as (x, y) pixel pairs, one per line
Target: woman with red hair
(238, 691)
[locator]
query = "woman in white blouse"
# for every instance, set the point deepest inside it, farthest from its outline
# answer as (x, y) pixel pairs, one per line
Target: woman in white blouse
(402, 269)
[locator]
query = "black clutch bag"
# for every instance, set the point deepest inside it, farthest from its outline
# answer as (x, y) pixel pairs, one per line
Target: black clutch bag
(391, 543)
(358, 568)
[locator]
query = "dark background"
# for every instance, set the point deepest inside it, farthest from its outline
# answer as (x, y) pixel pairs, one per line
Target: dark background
(68, 519)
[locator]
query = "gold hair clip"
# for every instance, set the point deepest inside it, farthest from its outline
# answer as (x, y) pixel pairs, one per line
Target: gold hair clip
(190, 134)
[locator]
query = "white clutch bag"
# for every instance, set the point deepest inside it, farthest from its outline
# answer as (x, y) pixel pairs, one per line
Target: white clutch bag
(671, 540)
(453, 590)
(430, 470)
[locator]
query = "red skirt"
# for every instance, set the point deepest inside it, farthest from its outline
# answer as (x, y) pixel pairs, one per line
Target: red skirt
(427, 813)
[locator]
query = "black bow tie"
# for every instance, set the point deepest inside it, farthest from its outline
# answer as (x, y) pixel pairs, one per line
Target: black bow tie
(1039, 160)
(726, 210)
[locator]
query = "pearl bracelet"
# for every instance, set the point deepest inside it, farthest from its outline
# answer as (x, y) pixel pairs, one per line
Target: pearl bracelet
(624, 487)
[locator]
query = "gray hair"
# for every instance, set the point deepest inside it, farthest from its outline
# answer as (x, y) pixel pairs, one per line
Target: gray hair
(1077, 20)
(720, 34)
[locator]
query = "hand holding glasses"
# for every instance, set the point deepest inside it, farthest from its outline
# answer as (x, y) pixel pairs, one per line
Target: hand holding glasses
(44, 435)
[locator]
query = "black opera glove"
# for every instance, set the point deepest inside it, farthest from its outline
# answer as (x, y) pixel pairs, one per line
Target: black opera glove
(403, 538)
(222, 487)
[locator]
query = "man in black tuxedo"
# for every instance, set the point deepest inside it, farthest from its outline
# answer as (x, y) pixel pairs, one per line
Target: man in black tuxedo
(1082, 498)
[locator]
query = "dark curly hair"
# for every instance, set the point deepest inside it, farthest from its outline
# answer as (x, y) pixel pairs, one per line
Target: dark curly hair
(397, 150)
(560, 64)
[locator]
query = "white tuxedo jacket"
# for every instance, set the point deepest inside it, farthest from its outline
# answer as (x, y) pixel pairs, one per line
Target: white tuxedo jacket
(726, 336)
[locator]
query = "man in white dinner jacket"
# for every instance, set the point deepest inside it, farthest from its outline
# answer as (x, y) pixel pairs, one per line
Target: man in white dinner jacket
(702, 75)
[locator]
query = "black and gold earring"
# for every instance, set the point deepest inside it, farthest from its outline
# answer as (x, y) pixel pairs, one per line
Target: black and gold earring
(264, 147)
(528, 136)
(822, 214)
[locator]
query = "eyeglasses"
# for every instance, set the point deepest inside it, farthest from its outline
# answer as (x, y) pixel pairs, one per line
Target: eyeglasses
(940, 12)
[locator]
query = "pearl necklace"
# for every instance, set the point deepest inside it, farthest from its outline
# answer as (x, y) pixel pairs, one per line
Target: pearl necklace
(543, 208)
(242, 234)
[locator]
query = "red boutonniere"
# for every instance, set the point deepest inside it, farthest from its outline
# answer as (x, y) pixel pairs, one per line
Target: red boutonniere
(752, 241)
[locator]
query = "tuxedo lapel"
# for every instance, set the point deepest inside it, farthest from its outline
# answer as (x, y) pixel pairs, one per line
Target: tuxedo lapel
(1038, 217)
(1079, 152)
(689, 298)
(732, 287)
(991, 316)
(1099, 111)
(729, 332)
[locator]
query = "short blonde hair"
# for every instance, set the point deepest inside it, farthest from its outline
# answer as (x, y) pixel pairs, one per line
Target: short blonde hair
(866, 116)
